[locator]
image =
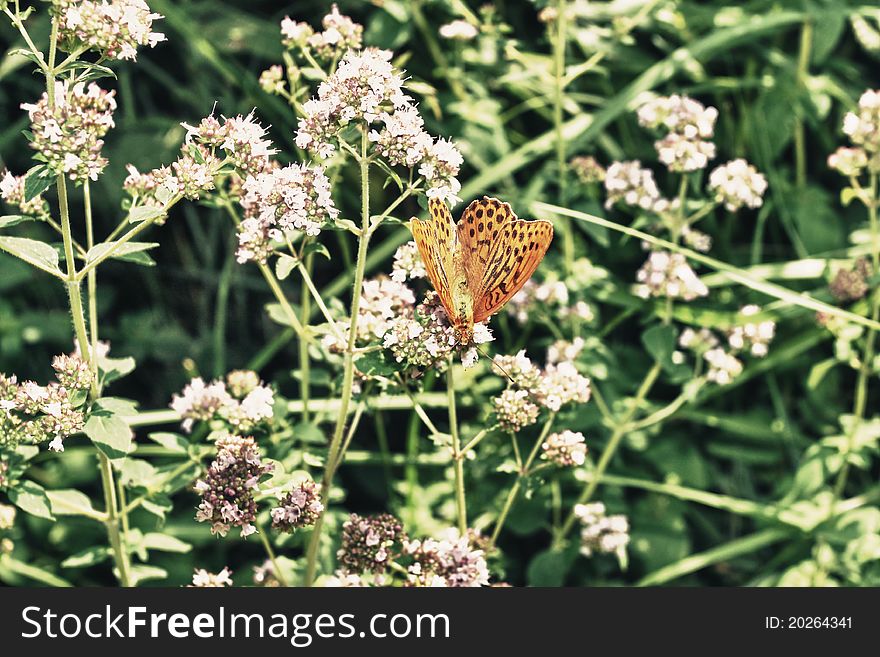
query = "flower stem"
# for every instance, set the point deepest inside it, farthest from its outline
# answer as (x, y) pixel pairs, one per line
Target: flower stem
(305, 384)
(867, 365)
(513, 493)
(270, 552)
(609, 451)
(120, 557)
(457, 453)
(334, 456)
(559, 48)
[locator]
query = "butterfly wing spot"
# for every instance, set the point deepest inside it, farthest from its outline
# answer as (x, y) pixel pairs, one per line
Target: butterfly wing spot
(516, 253)
(432, 238)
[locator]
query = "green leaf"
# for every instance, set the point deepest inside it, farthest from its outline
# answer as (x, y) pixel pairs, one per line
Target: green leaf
(122, 251)
(115, 368)
(108, 430)
(142, 573)
(549, 568)
(71, 502)
(31, 498)
(36, 181)
(8, 220)
(660, 342)
(165, 543)
(284, 265)
(171, 441)
(88, 557)
(39, 254)
(375, 363)
(145, 213)
(316, 247)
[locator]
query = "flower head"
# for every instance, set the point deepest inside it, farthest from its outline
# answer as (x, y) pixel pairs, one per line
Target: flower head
(738, 183)
(407, 263)
(566, 449)
(587, 169)
(752, 336)
(204, 579)
(113, 27)
(450, 561)
(12, 191)
(363, 86)
(248, 407)
(228, 487)
(630, 184)
(68, 136)
(600, 532)
(370, 543)
(280, 201)
(667, 274)
(691, 125)
(724, 367)
(458, 30)
(301, 507)
(863, 126)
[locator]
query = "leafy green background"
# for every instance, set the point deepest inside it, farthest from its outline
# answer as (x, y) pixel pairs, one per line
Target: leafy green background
(728, 464)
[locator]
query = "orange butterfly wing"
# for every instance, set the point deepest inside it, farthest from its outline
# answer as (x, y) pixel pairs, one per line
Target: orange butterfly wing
(436, 245)
(515, 255)
(478, 229)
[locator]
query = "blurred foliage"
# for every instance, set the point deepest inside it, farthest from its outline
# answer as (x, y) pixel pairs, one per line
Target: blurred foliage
(734, 489)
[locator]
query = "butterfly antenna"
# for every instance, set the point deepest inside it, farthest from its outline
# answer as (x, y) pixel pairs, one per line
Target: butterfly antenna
(485, 355)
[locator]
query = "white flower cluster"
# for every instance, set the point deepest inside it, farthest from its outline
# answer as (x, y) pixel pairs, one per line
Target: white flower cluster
(363, 87)
(204, 579)
(68, 136)
(737, 184)
(600, 532)
(279, 201)
(12, 191)
(115, 28)
(366, 87)
(340, 34)
(241, 401)
(565, 350)
(530, 388)
(407, 263)
(863, 129)
(752, 336)
(551, 297)
(691, 125)
(449, 561)
(458, 30)
(628, 183)
(724, 367)
(666, 274)
(568, 448)
(697, 341)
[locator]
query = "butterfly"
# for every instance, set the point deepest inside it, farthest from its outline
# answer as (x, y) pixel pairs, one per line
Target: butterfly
(477, 265)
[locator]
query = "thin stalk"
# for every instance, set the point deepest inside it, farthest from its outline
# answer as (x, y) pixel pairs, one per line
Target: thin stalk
(800, 151)
(523, 473)
(305, 375)
(609, 451)
(270, 552)
(559, 48)
(91, 281)
(120, 557)
(457, 454)
(867, 366)
(334, 456)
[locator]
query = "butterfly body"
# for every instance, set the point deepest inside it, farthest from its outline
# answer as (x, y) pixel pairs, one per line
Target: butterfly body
(477, 265)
